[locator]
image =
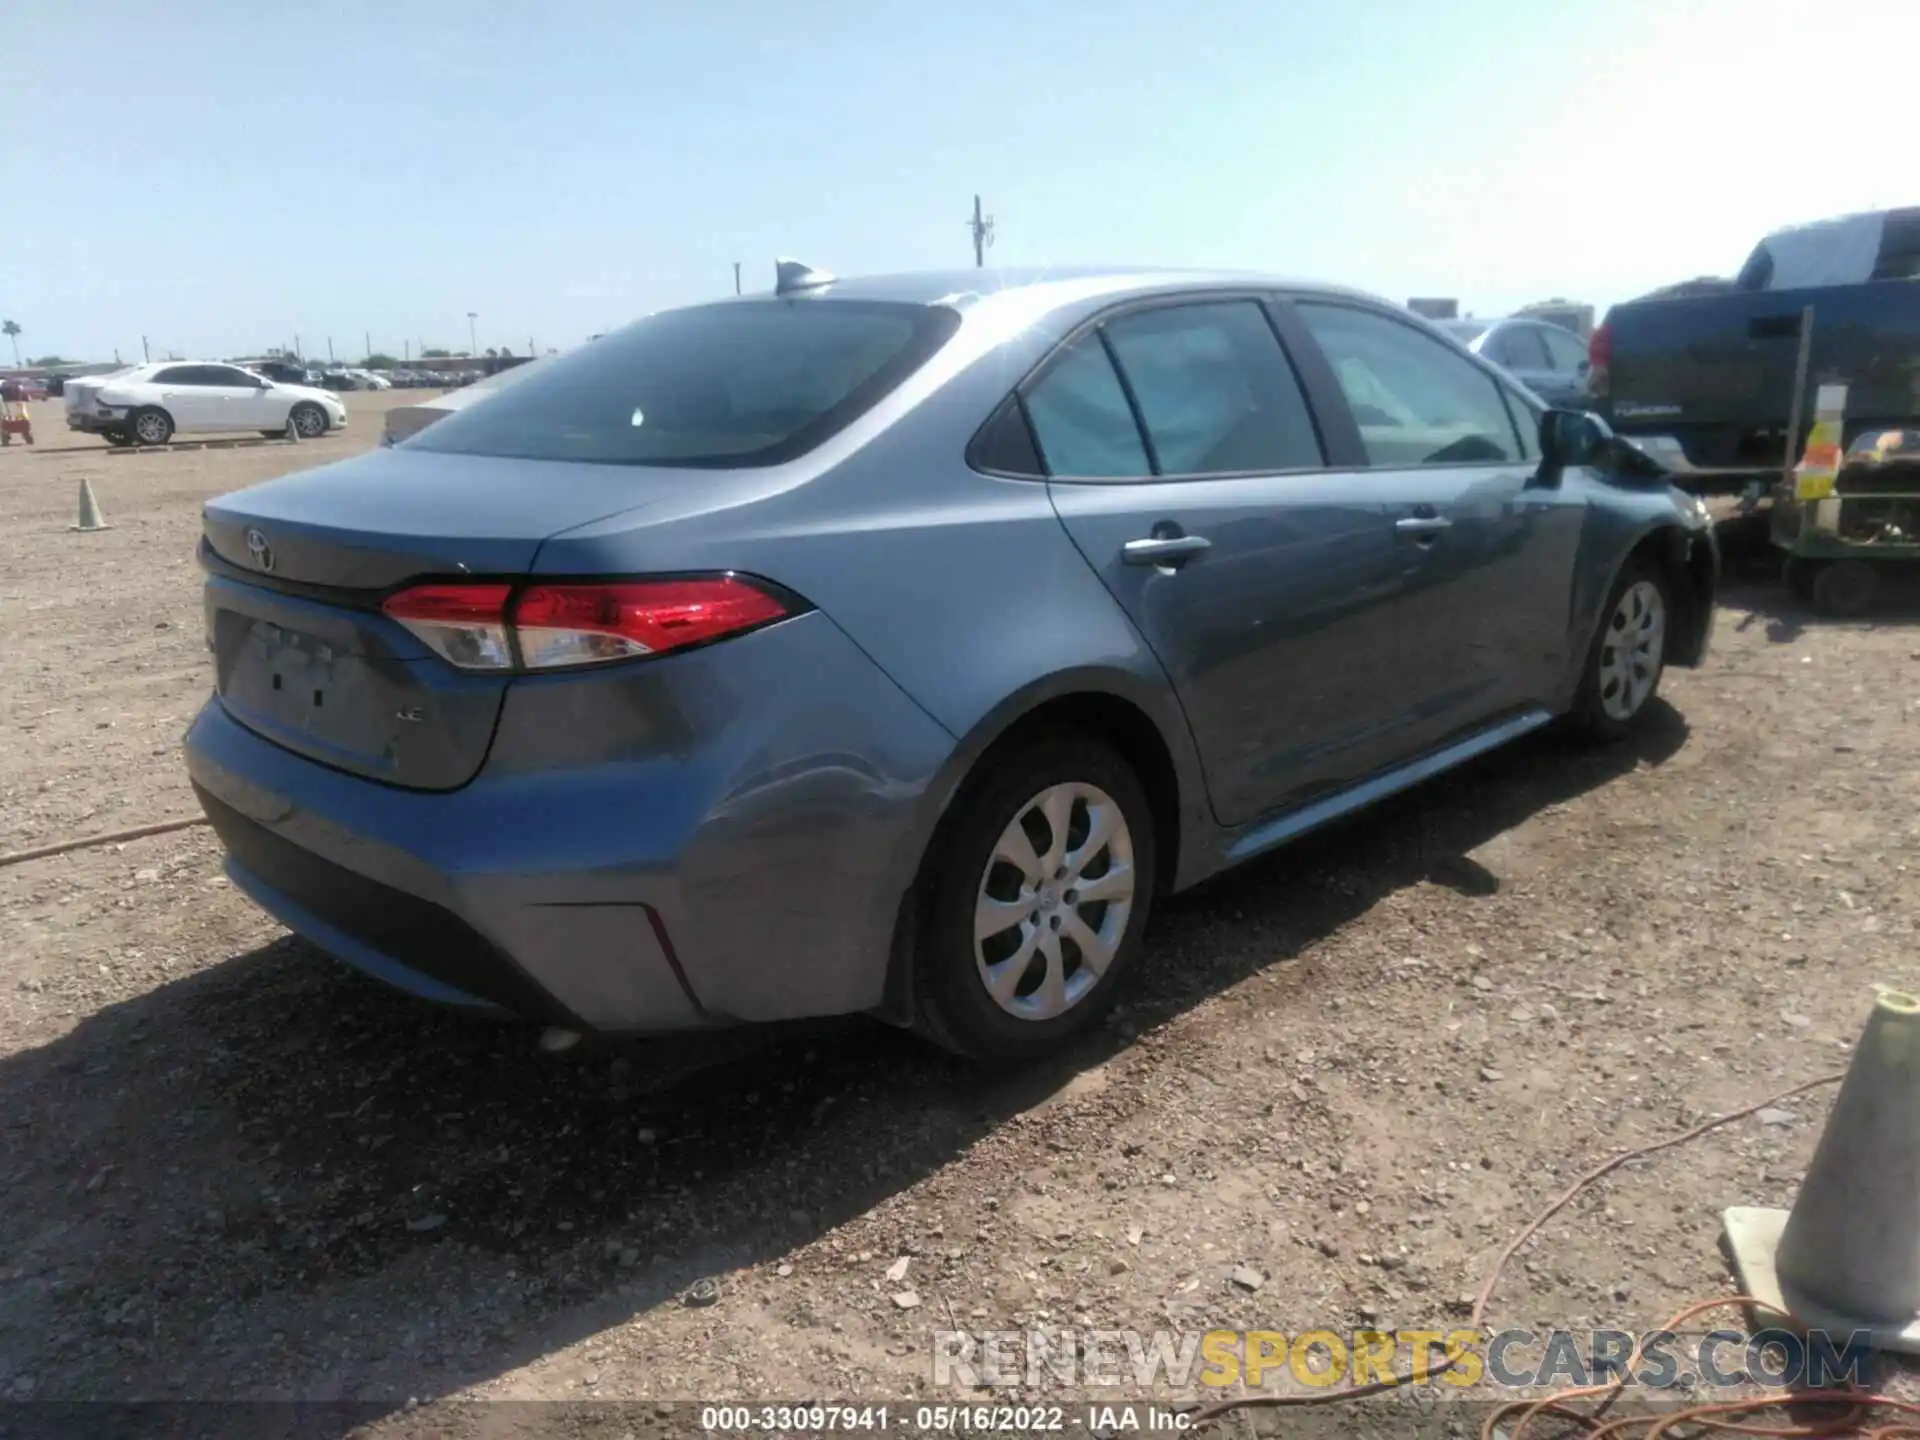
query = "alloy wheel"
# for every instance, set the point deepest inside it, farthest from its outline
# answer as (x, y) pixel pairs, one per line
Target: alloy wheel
(1054, 901)
(1632, 649)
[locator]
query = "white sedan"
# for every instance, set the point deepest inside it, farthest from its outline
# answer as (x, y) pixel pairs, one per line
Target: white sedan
(150, 404)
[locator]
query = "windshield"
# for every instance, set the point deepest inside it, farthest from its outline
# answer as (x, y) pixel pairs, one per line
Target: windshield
(734, 384)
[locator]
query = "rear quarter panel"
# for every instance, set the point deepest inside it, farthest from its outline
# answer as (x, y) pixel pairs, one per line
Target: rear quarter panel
(963, 588)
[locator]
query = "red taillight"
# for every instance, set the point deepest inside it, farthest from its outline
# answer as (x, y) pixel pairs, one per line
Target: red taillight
(465, 625)
(1599, 359)
(579, 623)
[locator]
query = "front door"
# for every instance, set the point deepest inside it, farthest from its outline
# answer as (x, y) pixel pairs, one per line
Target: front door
(1187, 468)
(1487, 551)
(187, 393)
(236, 401)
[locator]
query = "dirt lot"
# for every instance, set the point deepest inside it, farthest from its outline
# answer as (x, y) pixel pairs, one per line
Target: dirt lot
(232, 1169)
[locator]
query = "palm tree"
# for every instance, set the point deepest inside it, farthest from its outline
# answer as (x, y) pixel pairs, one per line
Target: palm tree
(11, 329)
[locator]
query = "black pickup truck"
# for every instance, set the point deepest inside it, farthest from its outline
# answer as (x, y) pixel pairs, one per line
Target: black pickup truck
(1700, 375)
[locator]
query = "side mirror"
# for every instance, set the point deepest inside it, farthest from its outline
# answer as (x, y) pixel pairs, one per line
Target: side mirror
(1579, 437)
(1571, 437)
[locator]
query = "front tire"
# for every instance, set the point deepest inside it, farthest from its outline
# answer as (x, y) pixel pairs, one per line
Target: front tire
(151, 426)
(309, 419)
(1035, 894)
(1628, 656)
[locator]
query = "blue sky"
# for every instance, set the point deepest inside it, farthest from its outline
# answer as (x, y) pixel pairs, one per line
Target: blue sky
(222, 175)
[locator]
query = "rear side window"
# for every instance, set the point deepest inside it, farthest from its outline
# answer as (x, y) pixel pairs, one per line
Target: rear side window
(1899, 257)
(1215, 391)
(715, 386)
(1081, 420)
(1416, 400)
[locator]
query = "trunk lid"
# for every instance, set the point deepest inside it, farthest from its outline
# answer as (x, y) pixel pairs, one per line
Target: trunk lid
(298, 568)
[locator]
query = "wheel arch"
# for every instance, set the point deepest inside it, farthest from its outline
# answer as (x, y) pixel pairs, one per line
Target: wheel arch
(1145, 727)
(144, 407)
(1688, 561)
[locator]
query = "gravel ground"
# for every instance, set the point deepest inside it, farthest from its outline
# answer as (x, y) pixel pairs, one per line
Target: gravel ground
(230, 1169)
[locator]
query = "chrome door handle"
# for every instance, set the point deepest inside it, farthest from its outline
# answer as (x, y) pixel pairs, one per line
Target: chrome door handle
(1423, 524)
(1168, 550)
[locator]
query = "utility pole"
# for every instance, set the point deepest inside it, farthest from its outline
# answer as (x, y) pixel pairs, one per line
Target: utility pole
(330, 359)
(298, 353)
(406, 351)
(143, 349)
(473, 344)
(736, 277)
(367, 335)
(982, 227)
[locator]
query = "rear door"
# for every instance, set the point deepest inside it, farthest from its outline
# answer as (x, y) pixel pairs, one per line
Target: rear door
(1186, 464)
(1486, 549)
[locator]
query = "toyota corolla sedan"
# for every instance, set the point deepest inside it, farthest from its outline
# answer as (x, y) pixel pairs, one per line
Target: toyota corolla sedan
(891, 645)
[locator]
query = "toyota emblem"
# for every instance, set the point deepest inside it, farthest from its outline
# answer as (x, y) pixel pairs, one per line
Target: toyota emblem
(259, 550)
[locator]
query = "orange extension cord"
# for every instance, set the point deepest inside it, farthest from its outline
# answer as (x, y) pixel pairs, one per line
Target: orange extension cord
(1729, 1417)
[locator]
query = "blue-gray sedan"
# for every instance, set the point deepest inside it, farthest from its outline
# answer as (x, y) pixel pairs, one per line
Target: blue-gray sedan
(890, 645)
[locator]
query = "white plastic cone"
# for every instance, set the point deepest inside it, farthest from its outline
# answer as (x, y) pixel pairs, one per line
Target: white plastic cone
(90, 517)
(1847, 1257)
(293, 431)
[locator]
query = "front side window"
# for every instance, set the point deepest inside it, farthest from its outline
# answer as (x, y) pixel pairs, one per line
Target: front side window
(1215, 390)
(1518, 348)
(1564, 350)
(1081, 421)
(1415, 400)
(231, 377)
(713, 386)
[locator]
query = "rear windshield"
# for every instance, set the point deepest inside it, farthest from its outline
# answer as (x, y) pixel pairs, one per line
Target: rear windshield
(737, 384)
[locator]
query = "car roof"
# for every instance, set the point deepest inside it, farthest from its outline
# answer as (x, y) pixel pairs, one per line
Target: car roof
(961, 288)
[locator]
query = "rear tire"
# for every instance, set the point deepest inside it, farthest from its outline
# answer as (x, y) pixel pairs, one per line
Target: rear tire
(151, 426)
(1628, 655)
(1800, 576)
(116, 438)
(1846, 589)
(1049, 849)
(309, 419)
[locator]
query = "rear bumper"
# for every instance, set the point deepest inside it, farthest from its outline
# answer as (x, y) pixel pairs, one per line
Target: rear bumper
(642, 852)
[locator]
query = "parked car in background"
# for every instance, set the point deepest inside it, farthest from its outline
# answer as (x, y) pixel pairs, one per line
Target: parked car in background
(283, 372)
(150, 404)
(1701, 375)
(406, 421)
(1548, 360)
(30, 387)
(654, 698)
